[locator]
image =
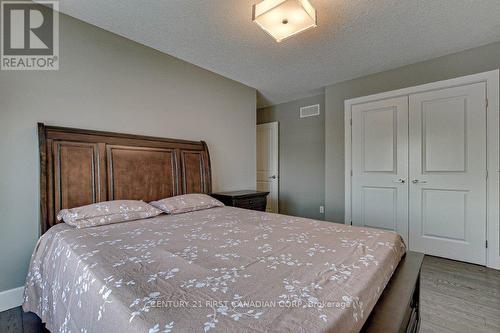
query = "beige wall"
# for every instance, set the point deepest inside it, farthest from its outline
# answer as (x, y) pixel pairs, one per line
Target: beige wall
(468, 62)
(107, 82)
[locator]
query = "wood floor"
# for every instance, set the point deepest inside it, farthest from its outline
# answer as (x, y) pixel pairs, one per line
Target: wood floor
(16, 321)
(459, 297)
(455, 297)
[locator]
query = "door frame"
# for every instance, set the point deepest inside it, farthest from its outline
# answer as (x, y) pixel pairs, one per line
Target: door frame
(492, 80)
(276, 144)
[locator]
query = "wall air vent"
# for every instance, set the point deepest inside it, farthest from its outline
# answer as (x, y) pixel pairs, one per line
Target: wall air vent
(309, 111)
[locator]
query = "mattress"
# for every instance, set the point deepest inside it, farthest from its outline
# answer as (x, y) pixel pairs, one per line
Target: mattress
(223, 269)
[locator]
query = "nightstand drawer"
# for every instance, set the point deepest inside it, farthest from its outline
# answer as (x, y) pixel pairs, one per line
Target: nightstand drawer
(254, 200)
(257, 203)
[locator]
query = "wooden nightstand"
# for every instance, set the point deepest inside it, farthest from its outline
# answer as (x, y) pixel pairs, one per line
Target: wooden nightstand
(254, 200)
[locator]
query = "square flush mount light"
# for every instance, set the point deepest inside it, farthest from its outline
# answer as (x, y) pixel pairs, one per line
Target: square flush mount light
(284, 18)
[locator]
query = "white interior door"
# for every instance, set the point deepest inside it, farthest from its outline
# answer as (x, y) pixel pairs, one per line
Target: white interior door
(448, 173)
(380, 165)
(267, 163)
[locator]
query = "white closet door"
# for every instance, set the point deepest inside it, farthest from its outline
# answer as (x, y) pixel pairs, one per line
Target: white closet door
(448, 173)
(380, 165)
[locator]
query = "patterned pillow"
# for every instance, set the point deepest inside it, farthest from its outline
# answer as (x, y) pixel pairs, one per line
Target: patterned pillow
(107, 212)
(186, 203)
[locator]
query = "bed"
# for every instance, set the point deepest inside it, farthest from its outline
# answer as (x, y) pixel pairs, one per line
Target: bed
(223, 269)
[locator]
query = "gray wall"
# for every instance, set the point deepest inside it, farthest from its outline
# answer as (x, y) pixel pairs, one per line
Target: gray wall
(107, 82)
(468, 62)
(301, 155)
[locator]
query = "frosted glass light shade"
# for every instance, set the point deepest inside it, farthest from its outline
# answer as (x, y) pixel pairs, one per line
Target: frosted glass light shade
(284, 18)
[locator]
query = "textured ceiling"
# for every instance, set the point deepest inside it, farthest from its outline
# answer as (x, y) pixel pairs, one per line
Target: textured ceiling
(354, 37)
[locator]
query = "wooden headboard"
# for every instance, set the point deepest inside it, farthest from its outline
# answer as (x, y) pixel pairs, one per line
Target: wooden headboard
(79, 167)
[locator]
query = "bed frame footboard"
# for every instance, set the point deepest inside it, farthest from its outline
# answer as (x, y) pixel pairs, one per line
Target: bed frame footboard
(398, 309)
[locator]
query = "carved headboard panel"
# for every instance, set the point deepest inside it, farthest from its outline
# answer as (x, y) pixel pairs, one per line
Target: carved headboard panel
(79, 167)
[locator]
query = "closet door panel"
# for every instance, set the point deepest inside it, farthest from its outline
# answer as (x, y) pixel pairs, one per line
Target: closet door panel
(380, 165)
(448, 172)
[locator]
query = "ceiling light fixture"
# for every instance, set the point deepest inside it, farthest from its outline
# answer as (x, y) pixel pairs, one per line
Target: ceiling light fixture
(284, 18)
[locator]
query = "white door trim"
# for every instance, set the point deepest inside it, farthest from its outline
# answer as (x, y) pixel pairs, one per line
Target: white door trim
(492, 81)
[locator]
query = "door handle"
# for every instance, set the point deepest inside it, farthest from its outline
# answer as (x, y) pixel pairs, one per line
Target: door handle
(272, 177)
(400, 181)
(418, 181)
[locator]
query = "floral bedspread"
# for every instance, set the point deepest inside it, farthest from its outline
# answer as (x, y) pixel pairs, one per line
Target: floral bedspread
(217, 270)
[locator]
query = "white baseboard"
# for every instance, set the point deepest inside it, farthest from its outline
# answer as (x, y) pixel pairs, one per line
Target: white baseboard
(11, 298)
